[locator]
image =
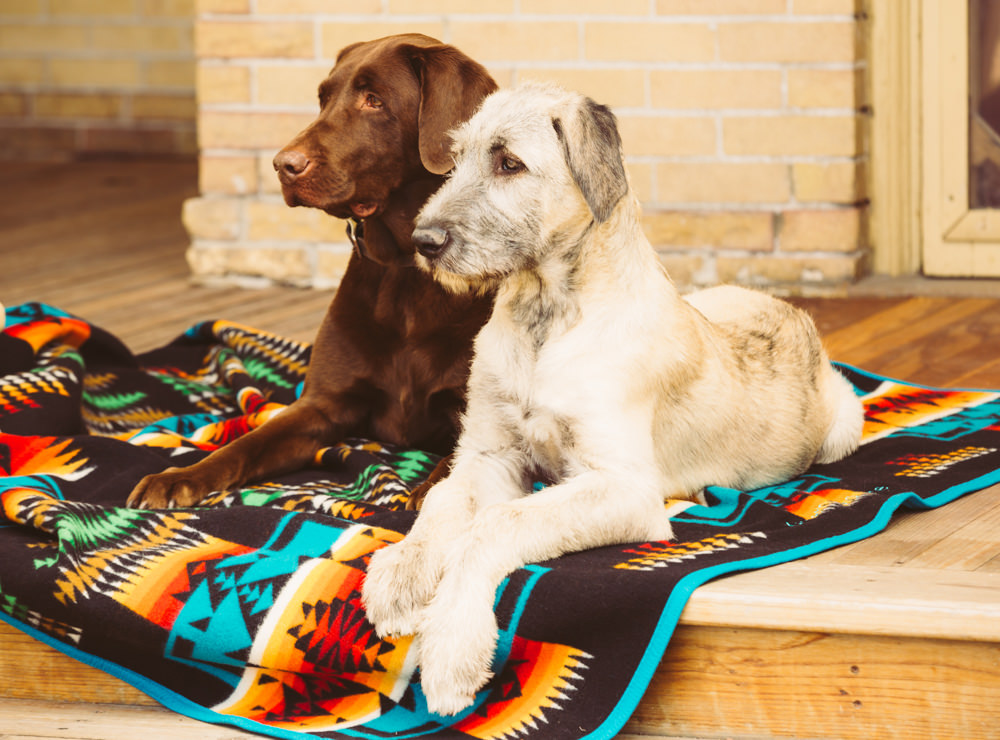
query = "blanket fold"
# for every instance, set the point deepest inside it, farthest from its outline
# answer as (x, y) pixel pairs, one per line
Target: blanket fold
(247, 610)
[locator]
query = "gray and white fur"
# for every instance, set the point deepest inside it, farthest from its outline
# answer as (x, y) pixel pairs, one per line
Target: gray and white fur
(592, 374)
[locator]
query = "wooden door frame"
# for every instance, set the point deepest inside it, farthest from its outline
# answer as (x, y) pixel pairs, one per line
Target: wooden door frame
(895, 153)
(918, 166)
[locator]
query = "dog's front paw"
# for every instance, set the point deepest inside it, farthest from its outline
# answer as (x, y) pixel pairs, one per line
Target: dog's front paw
(174, 487)
(396, 588)
(458, 637)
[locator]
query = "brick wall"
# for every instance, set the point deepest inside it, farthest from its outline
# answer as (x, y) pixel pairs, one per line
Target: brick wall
(741, 121)
(96, 76)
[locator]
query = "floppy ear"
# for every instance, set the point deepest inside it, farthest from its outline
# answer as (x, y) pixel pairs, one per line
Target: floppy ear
(451, 88)
(593, 150)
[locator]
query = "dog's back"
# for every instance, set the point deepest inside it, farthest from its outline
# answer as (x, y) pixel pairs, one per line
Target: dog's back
(792, 398)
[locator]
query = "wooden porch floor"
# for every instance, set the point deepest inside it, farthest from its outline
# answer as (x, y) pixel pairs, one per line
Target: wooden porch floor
(896, 636)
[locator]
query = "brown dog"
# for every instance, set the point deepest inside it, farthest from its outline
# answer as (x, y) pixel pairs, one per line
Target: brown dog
(392, 355)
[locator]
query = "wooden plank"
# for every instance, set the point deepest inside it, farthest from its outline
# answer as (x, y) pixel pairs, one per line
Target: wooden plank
(969, 545)
(47, 720)
(30, 669)
(926, 340)
(854, 599)
(878, 340)
(761, 683)
(912, 533)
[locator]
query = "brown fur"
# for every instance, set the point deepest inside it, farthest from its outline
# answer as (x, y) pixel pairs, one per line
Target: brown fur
(392, 356)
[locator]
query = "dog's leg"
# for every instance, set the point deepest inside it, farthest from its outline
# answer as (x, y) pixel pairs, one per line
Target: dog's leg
(401, 578)
(440, 472)
(458, 631)
(287, 442)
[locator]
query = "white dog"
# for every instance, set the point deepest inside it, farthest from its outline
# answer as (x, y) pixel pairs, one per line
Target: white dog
(592, 375)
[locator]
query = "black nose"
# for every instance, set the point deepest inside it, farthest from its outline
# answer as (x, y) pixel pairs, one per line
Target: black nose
(430, 241)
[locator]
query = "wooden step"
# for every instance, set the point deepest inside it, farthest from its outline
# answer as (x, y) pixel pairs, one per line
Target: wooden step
(45, 720)
(824, 647)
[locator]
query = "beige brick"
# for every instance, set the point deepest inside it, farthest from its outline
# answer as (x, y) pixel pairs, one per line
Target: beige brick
(821, 231)
(185, 138)
(788, 42)
(715, 89)
(719, 230)
(335, 36)
(142, 38)
(43, 38)
(212, 218)
(182, 9)
(92, 7)
(784, 270)
(792, 135)
(614, 87)
(503, 75)
(232, 40)
(234, 130)
(164, 106)
(582, 7)
(227, 175)
(313, 7)
(520, 41)
(824, 88)
(288, 85)
(55, 105)
(836, 182)
(126, 138)
(100, 73)
(641, 177)
(31, 141)
(280, 264)
(419, 7)
(683, 182)
(229, 83)
(21, 7)
(166, 73)
(13, 104)
(667, 136)
(683, 269)
(273, 221)
(649, 42)
(720, 7)
(331, 263)
(22, 71)
(267, 178)
(222, 6)
(826, 7)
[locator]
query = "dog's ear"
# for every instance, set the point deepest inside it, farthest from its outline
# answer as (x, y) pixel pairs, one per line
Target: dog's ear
(451, 88)
(593, 150)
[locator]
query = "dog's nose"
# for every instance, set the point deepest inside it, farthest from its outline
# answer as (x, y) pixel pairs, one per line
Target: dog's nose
(290, 164)
(430, 241)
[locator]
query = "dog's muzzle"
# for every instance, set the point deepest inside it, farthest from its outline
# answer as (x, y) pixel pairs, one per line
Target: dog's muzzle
(431, 241)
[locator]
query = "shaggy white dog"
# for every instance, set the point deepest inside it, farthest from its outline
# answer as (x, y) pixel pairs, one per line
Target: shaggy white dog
(592, 374)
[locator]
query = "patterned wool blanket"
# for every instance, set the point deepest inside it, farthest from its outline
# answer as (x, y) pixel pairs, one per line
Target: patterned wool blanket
(247, 610)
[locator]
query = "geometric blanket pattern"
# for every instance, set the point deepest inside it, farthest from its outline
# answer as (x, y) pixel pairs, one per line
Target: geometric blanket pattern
(246, 609)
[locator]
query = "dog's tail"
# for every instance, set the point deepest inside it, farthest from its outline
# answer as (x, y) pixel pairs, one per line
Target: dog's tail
(844, 435)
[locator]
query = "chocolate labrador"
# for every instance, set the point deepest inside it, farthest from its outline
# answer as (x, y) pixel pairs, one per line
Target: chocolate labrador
(392, 356)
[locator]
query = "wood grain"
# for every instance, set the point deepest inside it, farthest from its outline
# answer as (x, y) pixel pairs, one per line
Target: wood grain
(773, 683)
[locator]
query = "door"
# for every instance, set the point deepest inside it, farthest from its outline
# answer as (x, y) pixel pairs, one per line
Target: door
(960, 173)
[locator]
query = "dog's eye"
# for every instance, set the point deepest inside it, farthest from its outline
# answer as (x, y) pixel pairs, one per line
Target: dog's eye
(373, 101)
(509, 165)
